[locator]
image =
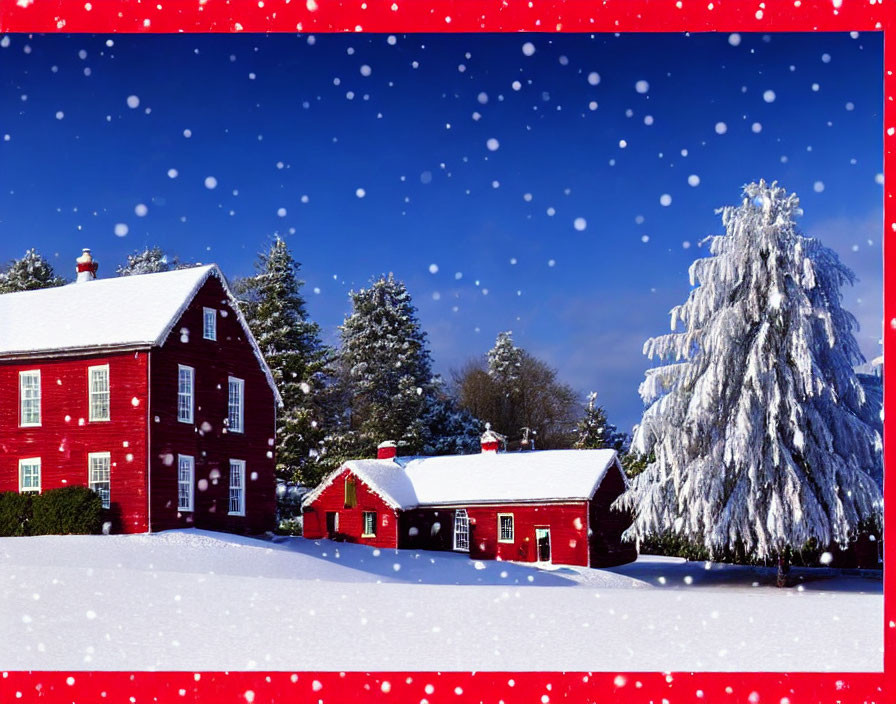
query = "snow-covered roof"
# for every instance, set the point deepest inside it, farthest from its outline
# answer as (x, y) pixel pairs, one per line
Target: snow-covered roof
(122, 312)
(503, 477)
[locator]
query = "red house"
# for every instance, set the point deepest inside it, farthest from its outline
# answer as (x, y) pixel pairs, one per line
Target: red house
(149, 389)
(546, 506)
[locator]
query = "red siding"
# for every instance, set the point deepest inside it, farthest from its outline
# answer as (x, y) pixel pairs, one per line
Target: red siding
(350, 519)
(66, 436)
(207, 439)
(568, 524)
(607, 525)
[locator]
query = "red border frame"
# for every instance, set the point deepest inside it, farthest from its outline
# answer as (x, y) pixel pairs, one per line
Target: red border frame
(158, 16)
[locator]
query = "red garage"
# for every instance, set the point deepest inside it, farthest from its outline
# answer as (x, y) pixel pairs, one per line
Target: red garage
(546, 506)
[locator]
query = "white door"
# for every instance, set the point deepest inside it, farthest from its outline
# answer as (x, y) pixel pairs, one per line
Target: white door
(461, 530)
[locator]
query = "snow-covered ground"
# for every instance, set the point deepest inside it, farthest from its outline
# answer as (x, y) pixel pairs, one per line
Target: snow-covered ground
(195, 600)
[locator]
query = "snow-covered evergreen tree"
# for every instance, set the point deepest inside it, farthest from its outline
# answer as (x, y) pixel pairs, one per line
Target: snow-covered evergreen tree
(505, 361)
(592, 428)
(151, 260)
(388, 385)
(30, 272)
(594, 432)
(754, 417)
(275, 310)
(387, 367)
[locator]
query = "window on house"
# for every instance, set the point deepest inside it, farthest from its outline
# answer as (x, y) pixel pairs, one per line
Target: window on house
(369, 524)
(29, 475)
(351, 493)
(505, 527)
(235, 405)
(29, 395)
(461, 530)
(237, 488)
(185, 472)
(209, 323)
(98, 392)
(99, 474)
(185, 386)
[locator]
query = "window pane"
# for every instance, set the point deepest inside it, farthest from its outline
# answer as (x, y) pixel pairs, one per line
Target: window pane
(99, 476)
(235, 405)
(185, 483)
(237, 487)
(209, 324)
(29, 393)
(30, 475)
(99, 393)
(185, 395)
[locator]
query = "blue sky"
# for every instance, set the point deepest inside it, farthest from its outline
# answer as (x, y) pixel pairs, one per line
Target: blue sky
(514, 182)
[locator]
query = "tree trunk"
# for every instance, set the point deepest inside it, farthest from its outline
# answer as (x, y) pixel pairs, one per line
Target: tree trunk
(783, 569)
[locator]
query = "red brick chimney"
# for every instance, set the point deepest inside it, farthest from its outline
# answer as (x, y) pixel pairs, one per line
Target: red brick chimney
(86, 267)
(386, 450)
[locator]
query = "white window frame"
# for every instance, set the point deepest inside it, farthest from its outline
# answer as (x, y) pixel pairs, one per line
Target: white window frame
(189, 405)
(29, 461)
(364, 532)
(29, 374)
(186, 462)
(461, 545)
(239, 407)
(240, 488)
(501, 538)
(93, 481)
(209, 324)
(92, 393)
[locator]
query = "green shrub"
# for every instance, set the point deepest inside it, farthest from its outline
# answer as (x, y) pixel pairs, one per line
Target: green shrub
(66, 511)
(15, 513)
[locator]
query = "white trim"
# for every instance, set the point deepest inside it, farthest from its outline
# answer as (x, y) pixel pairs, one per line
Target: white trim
(30, 461)
(22, 376)
(506, 540)
(241, 511)
(180, 368)
(191, 465)
(461, 514)
(364, 515)
(209, 332)
(241, 385)
(90, 393)
(90, 481)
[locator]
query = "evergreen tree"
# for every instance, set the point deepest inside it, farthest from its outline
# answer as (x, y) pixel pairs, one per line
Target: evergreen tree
(275, 311)
(386, 367)
(755, 417)
(505, 361)
(593, 427)
(388, 388)
(30, 272)
(151, 260)
(595, 433)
